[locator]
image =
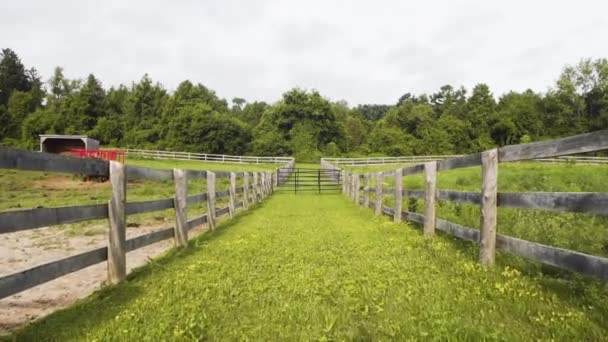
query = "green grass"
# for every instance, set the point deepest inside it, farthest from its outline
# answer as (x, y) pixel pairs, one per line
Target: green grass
(32, 189)
(581, 232)
(322, 268)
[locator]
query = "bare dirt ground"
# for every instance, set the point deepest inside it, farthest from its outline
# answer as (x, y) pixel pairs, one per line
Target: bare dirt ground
(23, 250)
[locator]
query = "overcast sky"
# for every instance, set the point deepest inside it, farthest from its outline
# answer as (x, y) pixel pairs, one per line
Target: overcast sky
(359, 51)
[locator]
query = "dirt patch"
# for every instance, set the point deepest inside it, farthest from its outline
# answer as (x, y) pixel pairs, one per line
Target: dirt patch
(26, 249)
(66, 183)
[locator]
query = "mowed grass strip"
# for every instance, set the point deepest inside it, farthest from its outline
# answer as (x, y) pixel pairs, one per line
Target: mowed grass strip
(321, 268)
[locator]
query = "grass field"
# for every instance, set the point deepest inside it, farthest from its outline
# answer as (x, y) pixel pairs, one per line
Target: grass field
(581, 232)
(322, 268)
(31, 189)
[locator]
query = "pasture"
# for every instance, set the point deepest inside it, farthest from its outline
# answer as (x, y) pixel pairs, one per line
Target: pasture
(323, 268)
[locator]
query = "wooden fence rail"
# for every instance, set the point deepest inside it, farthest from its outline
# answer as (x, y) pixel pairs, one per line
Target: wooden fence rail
(219, 158)
(117, 209)
(490, 199)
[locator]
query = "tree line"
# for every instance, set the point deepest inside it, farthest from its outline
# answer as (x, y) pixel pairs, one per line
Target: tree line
(303, 123)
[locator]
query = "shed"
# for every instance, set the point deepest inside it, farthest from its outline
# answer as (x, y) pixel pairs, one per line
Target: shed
(54, 143)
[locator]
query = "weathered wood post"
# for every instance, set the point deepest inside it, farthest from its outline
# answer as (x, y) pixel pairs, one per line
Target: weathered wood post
(379, 197)
(356, 188)
(489, 189)
(398, 194)
(366, 191)
(430, 181)
(276, 180)
(270, 182)
(117, 246)
(180, 203)
(343, 176)
(245, 190)
(232, 194)
(211, 200)
(254, 189)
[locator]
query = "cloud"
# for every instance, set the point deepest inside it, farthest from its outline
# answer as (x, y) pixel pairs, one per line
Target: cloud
(363, 52)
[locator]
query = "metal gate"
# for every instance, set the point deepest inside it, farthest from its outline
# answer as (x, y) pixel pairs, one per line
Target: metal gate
(309, 181)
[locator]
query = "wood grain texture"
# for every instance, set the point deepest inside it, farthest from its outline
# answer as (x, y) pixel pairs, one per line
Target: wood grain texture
(582, 143)
(366, 190)
(232, 195)
(489, 211)
(181, 203)
(246, 190)
(12, 221)
(578, 202)
(117, 262)
(211, 200)
(430, 183)
(379, 197)
(398, 195)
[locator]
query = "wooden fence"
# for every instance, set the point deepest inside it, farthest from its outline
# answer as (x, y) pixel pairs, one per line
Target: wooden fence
(489, 199)
(218, 158)
(369, 161)
(256, 186)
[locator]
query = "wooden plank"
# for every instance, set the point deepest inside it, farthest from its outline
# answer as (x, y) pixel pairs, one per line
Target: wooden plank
(398, 195)
(194, 199)
(198, 221)
(379, 198)
(356, 188)
(459, 162)
(582, 143)
(211, 200)
(13, 221)
(150, 238)
(232, 195)
(562, 258)
(418, 194)
(222, 211)
(117, 261)
(222, 194)
(412, 170)
(579, 202)
(459, 196)
(430, 181)
(413, 217)
(12, 158)
(23, 280)
(149, 206)
(196, 174)
(489, 190)
(181, 220)
(138, 172)
(344, 182)
(461, 232)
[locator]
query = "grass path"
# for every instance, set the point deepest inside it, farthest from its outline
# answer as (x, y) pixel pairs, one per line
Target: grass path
(321, 268)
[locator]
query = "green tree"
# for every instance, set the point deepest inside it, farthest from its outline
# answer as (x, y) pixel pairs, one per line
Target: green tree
(13, 76)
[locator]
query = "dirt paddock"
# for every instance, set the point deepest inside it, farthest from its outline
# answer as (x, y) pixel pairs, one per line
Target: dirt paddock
(26, 249)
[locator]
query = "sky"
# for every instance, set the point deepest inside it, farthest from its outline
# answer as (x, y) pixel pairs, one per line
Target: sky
(358, 51)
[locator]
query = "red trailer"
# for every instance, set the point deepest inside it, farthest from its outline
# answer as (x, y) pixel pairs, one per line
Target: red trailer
(116, 155)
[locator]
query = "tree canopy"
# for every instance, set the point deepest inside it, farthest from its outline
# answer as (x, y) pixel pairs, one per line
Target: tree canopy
(302, 123)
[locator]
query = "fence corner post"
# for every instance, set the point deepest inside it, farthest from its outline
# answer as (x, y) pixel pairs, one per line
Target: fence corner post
(180, 203)
(398, 194)
(379, 197)
(430, 186)
(489, 189)
(117, 245)
(211, 200)
(232, 194)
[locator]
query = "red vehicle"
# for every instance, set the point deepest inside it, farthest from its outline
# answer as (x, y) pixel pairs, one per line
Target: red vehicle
(116, 155)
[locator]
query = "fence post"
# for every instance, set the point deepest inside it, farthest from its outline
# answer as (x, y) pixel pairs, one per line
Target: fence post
(343, 176)
(489, 188)
(117, 246)
(379, 180)
(232, 198)
(211, 200)
(245, 190)
(356, 188)
(430, 180)
(366, 191)
(398, 194)
(180, 203)
(255, 187)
